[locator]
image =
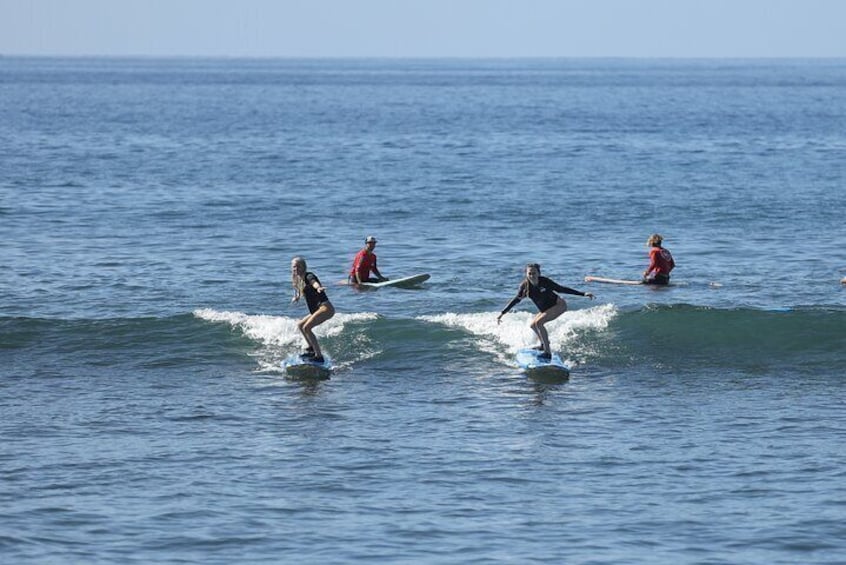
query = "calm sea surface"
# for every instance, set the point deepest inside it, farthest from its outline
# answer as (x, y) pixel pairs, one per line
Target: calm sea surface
(149, 210)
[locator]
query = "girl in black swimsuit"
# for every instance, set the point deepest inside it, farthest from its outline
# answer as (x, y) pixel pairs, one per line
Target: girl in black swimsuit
(542, 292)
(320, 309)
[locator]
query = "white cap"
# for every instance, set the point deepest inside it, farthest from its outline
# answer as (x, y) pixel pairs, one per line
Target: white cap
(369, 239)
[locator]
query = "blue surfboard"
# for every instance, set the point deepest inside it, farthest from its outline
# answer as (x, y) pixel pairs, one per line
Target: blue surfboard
(307, 368)
(529, 360)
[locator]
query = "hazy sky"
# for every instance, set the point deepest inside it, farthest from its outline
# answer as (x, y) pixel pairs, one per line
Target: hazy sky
(425, 28)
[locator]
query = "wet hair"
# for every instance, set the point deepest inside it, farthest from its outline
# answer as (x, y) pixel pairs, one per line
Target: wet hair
(298, 277)
(654, 240)
(535, 265)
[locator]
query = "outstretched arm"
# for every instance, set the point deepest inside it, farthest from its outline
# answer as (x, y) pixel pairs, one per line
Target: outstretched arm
(314, 283)
(567, 290)
(511, 304)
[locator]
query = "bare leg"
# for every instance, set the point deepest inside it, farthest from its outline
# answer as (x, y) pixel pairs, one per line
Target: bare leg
(307, 324)
(544, 317)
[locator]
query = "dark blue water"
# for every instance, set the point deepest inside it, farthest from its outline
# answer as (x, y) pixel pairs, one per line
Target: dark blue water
(149, 210)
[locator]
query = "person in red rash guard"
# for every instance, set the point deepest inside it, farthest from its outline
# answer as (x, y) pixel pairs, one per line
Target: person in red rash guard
(660, 262)
(365, 263)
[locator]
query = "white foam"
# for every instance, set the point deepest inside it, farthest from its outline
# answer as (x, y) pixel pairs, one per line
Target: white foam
(279, 334)
(514, 332)
(278, 331)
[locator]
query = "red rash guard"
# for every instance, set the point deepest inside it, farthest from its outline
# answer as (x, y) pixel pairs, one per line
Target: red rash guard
(660, 262)
(364, 263)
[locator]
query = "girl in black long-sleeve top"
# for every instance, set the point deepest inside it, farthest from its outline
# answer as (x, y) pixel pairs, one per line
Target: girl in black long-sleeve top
(541, 291)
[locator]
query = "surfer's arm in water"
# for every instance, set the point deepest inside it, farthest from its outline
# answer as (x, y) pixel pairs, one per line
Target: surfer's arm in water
(376, 272)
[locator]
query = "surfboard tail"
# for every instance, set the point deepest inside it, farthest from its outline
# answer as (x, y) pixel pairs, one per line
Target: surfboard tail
(305, 368)
(530, 361)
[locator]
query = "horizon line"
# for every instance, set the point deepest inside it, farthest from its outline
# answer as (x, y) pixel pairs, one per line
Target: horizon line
(416, 57)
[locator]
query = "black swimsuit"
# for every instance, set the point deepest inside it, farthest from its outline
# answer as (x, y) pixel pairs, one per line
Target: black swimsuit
(543, 295)
(313, 298)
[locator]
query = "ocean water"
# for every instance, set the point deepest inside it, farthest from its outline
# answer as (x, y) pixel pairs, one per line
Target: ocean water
(149, 210)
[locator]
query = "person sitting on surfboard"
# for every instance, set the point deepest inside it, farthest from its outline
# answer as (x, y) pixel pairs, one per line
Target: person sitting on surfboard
(364, 263)
(307, 284)
(660, 262)
(542, 292)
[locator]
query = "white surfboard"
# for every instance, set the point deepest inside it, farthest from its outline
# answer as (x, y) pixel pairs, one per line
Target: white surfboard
(529, 360)
(307, 368)
(590, 278)
(404, 282)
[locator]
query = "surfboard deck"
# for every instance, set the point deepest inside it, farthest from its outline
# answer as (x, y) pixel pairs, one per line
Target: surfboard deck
(306, 368)
(404, 282)
(529, 361)
(590, 278)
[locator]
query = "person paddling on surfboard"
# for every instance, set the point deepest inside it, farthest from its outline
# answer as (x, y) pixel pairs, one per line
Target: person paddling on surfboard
(364, 263)
(660, 262)
(542, 292)
(307, 284)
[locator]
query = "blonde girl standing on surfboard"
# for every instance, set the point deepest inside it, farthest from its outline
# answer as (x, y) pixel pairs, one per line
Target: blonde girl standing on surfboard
(307, 284)
(542, 292)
